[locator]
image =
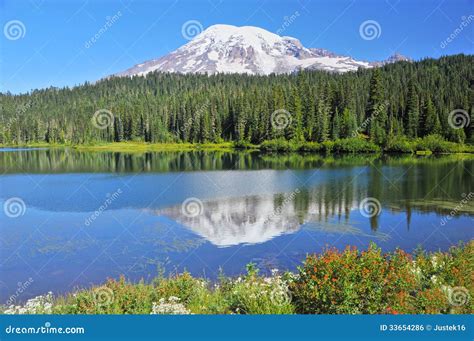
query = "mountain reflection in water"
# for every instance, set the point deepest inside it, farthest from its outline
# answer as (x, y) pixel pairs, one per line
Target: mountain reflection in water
(257, 219)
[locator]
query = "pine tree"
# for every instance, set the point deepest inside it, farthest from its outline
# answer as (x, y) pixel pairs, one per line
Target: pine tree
(431, 124)
(336, 125)
(377, 111)
(412, 111)
(296, 112)
(348, 124)
(118, 129)
(322, 120)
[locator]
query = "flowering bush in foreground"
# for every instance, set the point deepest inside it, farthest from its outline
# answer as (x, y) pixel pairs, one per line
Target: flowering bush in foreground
(253, 294)
(369, 282)
(334, 282)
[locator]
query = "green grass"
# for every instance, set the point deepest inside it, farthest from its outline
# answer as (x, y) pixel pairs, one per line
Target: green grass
(427, 145)
(34, 145)
(333, 282)
(140, 147)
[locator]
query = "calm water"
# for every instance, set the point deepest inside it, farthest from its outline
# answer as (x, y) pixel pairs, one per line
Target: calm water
(89, 216)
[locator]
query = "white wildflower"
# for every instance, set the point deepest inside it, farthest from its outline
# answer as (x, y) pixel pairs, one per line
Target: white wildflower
(42, 304)
(416, 270)
(170, 306)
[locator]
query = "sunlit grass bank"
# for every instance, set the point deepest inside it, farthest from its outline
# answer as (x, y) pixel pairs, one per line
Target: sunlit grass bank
(334, 282)
(432, 144)
(148, 147)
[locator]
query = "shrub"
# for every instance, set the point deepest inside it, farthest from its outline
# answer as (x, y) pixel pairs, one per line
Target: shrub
(353, 282)
(328, 146)
(311, 147)
(243, 145)
(182, 286)
(114, 297)
(350, 282)
(254, 294)
(436, 144)
(279, 145)
(355, 145)
(399, 145)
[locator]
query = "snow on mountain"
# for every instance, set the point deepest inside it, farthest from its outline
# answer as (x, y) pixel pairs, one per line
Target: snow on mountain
(397, 57)
(247, 49)
(253, 219)
(257, 219)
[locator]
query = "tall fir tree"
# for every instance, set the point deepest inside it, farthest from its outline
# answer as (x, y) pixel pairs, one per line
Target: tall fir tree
(431, 123)
(376, 109)
(412, 111)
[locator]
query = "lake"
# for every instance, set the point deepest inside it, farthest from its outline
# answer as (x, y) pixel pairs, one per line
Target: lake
(71, 219)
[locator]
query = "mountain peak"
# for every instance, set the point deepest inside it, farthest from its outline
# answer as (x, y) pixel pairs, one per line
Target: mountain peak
(397, 57)
(253, 50)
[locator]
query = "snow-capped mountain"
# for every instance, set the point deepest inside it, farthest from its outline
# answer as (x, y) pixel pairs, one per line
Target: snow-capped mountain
(247, 49)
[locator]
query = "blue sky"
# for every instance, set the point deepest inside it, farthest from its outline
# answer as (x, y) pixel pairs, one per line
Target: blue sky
(50, 46)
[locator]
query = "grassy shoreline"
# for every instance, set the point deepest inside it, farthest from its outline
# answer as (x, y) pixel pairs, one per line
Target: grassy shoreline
(425, 146)
(333, 282)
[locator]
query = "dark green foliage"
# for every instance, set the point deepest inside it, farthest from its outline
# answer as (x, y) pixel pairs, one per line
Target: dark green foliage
(355, 145)
(377, 109)
(436, 144)
(279, 145)
(348, 125)
(383, 104)
(399, 145)
(412, 112)
(431, 123)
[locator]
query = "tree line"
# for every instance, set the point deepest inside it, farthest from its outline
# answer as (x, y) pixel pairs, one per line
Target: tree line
(404, 99)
